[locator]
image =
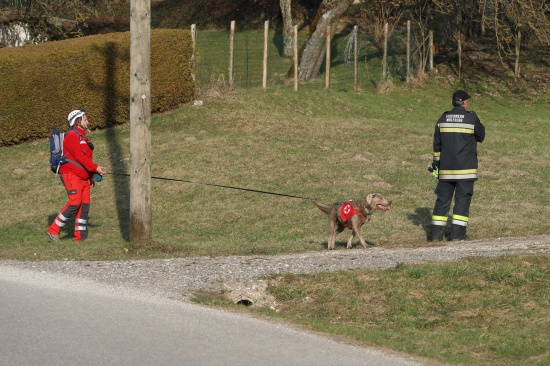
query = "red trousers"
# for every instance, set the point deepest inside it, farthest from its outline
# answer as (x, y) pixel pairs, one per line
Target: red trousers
(78, 191)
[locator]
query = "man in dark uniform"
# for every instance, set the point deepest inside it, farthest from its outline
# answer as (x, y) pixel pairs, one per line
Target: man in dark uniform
(455, 164)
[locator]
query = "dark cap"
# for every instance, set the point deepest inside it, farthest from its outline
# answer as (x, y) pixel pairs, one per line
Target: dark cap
(460, 95)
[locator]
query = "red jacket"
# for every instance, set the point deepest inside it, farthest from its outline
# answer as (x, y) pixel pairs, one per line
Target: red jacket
(76, 148)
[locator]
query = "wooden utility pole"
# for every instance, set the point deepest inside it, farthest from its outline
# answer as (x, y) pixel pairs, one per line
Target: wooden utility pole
(140, 122)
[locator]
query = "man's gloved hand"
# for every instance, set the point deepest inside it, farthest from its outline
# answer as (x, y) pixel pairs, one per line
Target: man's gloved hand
(434, 169)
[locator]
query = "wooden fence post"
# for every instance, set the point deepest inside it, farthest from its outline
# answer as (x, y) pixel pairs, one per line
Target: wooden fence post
(355, 55)
(266, 35)
(385, 57)
(408, 51)
(518, 44)
(193, 54)
(296, 65)
(231, 54)
(327, 63)
(431, 46)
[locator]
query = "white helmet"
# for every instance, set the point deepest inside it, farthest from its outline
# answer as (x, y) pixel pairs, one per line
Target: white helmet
(74, 115)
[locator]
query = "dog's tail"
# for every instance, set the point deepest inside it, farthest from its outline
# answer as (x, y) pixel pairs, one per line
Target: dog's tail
(324, 208)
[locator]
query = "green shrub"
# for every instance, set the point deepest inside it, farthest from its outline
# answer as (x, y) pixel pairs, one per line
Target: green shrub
(42, 83)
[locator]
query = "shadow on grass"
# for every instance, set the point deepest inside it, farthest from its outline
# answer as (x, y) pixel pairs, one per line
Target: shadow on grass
(422, 217)
(67, 232)
(356, 244)
(115, 149)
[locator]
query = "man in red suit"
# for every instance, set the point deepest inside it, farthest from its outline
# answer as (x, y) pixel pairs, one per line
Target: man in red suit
(77, 175)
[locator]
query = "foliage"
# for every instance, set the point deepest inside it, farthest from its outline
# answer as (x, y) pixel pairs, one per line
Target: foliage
(215, 14)
(57, 20)
(44, 82)
(501, 18)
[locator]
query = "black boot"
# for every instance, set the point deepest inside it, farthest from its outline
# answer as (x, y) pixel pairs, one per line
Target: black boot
(458, 232)
(437, 233)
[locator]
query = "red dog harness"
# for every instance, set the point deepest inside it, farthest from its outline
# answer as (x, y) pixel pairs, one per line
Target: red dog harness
(347, 211)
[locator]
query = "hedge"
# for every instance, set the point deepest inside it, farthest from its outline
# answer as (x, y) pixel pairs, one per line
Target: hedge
(40, 84)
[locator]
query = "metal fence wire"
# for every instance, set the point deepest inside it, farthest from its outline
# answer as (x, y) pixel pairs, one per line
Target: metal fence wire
(212, 60)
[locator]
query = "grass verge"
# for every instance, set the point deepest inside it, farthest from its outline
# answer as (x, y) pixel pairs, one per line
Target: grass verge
(477, 311)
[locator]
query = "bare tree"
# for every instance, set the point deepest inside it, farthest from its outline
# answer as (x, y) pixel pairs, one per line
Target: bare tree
(531, 18)
(288, 27)
(421, 13)
(313, 51)
(378, 13)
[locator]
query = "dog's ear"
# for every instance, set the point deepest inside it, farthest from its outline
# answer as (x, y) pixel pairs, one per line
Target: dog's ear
(369, 198)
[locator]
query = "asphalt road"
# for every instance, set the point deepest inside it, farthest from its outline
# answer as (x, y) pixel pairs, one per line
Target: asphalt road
(48, 319)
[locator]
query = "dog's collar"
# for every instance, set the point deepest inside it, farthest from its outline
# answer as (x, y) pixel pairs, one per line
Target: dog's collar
(367, 210)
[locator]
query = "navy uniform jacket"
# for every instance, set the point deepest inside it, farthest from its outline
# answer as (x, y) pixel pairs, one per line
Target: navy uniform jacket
(455, 144)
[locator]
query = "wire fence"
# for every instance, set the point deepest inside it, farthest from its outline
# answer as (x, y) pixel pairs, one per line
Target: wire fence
(214, 58)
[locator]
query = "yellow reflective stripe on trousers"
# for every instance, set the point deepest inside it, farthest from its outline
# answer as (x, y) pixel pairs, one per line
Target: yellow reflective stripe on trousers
(460, 220)
(439, 220)
(463, 218)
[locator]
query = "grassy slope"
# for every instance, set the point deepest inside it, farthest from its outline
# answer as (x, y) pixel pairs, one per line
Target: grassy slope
(329, 146)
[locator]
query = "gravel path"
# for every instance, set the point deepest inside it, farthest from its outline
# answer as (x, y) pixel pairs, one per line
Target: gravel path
(178, 278)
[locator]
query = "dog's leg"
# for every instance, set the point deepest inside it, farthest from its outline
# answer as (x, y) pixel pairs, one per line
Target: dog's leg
(331, 233)
(350, 240)
(357, 231)
(363, 241)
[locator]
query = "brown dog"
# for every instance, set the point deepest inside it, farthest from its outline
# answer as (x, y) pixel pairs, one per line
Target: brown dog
(352, 215)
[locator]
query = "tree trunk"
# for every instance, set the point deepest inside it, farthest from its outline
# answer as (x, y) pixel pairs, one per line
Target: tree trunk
(313, 50)
(483, 5)
(288, 29)
(459, 54)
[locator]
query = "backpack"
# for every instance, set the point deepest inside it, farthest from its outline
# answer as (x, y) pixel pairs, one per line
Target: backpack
(56, 150)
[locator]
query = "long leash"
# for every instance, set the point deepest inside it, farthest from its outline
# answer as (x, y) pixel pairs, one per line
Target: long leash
(222, 186)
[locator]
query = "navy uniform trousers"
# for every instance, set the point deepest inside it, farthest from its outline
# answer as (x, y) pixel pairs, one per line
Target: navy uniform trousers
(462, 192)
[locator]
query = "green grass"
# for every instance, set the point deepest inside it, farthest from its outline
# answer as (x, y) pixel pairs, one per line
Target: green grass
(477, 311)
(326, 145)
